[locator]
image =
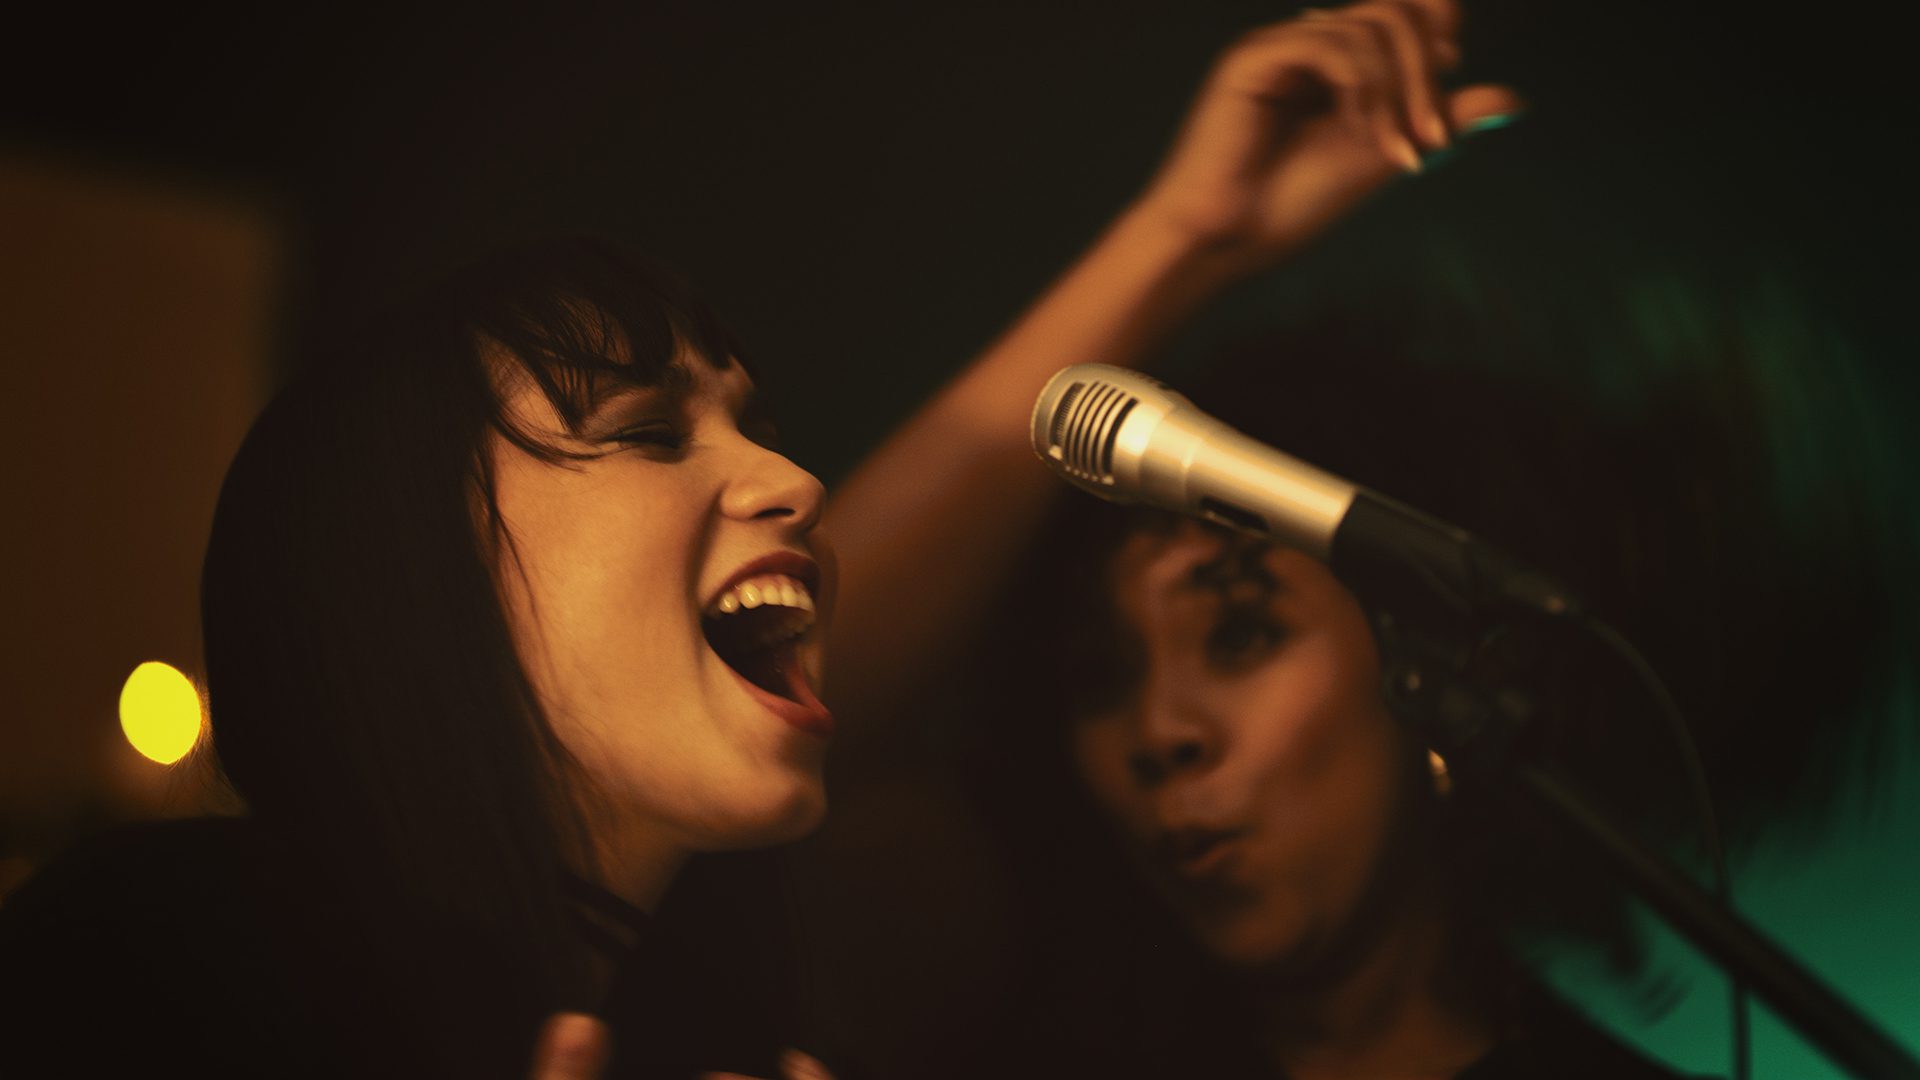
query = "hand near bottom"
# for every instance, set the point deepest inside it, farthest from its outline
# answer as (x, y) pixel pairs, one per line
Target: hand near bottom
(574, 1046)
(794, 1065)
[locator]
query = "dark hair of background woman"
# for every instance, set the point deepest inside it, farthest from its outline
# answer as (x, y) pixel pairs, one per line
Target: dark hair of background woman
(1669, 427)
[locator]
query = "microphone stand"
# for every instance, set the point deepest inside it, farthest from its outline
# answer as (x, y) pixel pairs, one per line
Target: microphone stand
(1479, 728)
(1793, 992)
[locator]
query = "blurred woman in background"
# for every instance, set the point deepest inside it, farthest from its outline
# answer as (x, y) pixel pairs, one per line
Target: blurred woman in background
(1143, 700)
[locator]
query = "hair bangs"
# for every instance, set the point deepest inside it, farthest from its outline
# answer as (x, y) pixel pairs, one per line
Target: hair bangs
(581, 320)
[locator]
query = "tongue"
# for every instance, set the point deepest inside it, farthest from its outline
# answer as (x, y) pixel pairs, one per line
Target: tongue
(778, 671)
(794, 678)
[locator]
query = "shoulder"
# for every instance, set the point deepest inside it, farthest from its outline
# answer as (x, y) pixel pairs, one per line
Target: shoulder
(140, 891)
(168, 853)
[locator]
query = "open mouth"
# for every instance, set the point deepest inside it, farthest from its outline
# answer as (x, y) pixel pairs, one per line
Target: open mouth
(757, 626)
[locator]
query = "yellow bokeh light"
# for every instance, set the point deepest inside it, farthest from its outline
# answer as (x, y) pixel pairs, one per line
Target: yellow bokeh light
(160, 712)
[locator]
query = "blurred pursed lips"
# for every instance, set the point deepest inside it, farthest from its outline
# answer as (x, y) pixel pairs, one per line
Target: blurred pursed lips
(1198, 852)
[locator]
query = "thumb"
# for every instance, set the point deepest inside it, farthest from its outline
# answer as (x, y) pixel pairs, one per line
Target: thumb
(798, 1065)
(573, 1046)
(794, 1065)
(1477, 106)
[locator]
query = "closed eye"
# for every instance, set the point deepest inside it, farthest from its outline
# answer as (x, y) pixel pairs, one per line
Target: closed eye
(655, 437)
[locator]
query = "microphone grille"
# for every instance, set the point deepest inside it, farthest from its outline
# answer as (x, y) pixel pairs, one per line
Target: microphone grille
(1086, 424)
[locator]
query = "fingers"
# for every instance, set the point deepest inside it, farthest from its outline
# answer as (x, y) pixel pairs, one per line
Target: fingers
(1401, 45)
(1420, 54)
(1382, 60)
(794, 1065)
(572, 1046)
(1372, 85)
(1442, 18)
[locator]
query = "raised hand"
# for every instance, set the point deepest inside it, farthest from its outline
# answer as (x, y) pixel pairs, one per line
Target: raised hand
(1296, 123)
(1301, 119)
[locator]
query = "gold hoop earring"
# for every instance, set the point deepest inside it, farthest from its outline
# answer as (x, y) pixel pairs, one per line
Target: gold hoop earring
(1437, 769)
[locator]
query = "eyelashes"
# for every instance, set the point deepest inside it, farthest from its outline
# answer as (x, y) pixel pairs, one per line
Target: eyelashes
(669, 439)
(657, 437)
(1244, 632)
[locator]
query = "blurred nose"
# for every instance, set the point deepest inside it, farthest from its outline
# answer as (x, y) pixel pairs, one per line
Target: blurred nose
(1176, 730)
(767, 486)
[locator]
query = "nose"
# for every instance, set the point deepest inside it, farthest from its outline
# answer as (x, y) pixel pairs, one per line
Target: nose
(767, 486)
(1175, 731)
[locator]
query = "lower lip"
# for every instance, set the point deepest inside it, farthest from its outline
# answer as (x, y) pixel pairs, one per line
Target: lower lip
(812, 720)
(1215, 861)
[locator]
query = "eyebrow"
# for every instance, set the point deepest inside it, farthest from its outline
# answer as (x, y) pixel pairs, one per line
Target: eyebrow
(675, 380)
(674, 383)
(1241, 563)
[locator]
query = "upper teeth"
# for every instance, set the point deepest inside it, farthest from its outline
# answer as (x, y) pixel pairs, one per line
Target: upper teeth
(777, 590)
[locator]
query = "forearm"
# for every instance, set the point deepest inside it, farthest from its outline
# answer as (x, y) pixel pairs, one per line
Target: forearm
(931, 523)
(1298, 122)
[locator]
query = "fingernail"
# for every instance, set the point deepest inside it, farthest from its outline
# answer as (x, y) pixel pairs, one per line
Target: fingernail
(1407, 154)
(1436, 132)
(1488, 123)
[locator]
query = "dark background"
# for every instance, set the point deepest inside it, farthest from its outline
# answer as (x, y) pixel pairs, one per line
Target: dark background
(869, 192)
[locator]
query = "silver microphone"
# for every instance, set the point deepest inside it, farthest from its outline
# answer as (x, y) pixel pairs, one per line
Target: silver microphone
(1130, 439)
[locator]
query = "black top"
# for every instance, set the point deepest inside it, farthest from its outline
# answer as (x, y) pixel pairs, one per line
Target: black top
(1555, 1041)
(181, 948)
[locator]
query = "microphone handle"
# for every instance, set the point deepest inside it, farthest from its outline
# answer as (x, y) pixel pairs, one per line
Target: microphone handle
(1390, 552)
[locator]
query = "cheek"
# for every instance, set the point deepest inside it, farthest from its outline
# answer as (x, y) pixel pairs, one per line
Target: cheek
(1326, 776)
(1099, 758)
(1291, 718)
(597, 585)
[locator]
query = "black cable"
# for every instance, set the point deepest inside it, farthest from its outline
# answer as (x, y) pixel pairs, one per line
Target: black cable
(1703, 808)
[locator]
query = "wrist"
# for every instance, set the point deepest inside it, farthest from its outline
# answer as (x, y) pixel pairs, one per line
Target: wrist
(1201, 261)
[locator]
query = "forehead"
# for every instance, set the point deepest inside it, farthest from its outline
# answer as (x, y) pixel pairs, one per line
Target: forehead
(1191, 553)
(1195, 567)
(1150, 555)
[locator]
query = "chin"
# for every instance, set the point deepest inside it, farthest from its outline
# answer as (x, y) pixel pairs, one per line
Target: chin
(779, 817)
(1252, 940)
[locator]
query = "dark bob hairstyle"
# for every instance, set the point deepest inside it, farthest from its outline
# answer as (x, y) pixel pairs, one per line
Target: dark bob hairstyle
(365, 695)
